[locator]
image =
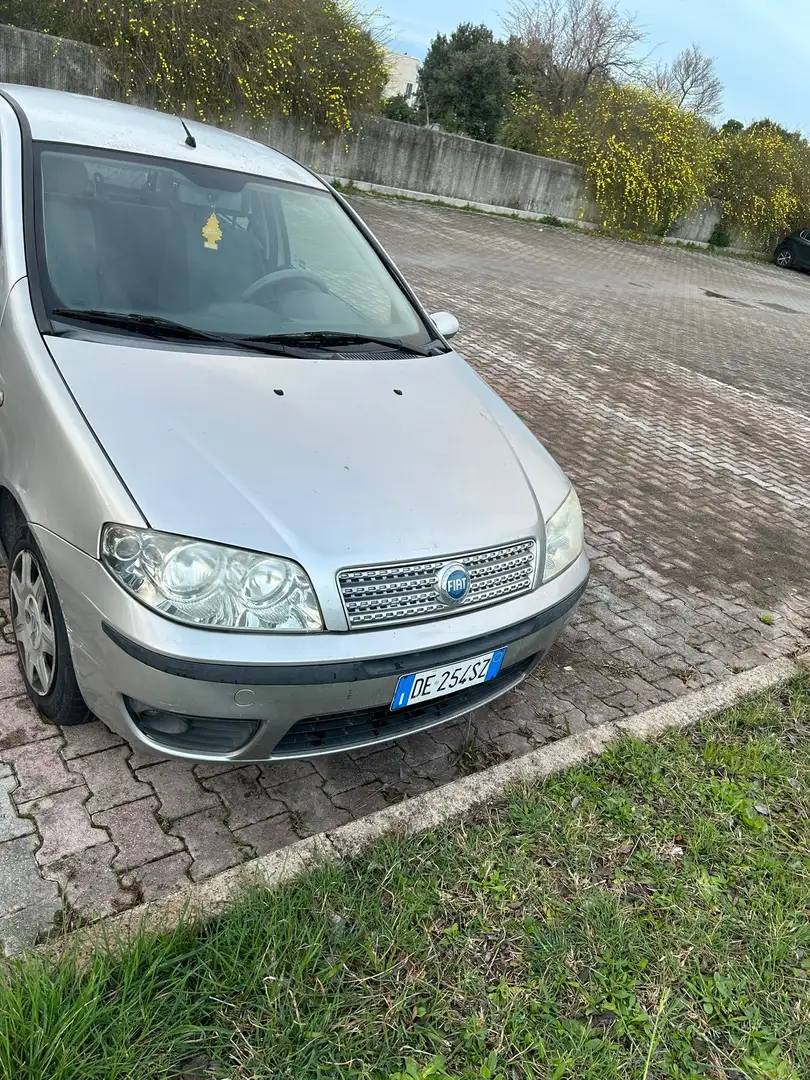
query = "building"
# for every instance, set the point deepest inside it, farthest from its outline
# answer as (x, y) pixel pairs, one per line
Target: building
(404, 76)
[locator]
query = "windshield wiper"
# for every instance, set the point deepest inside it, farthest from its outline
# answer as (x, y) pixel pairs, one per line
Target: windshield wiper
(131, 320)
(319, 339)
(157, 327)
(281, 344)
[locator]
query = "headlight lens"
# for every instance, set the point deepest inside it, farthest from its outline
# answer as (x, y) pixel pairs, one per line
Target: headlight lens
(564, 537)
(208, 584)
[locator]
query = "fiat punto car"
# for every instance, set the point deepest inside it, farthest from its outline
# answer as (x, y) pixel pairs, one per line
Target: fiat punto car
(254, 504)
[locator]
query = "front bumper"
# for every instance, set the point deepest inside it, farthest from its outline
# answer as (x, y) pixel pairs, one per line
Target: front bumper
(290, 695)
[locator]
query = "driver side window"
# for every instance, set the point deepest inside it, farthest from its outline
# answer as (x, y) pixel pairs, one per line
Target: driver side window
(318, 243)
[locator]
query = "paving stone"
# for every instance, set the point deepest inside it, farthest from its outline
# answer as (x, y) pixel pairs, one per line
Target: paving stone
(340, 772)
(281, 772)
(510, 744)
(365, 800)
(110, 780)
(204, 769)
(245, 800)
(412, 783)
(438, 770)
(20, 723)
(180, 791)
(312, 811)
(29, 905)
(454, 735)
(40, 770)
(417, 748)
(154, 880)
(11, 824)
(64, 825)
(141, 758)
(386, 764)
(89, 883)
(574, 722)
(210, 842)
(137, 834)
(11, 680)
(267, 836)
(83, 739)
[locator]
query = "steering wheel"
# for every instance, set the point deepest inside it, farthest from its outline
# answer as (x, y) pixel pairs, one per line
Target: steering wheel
(285, 280)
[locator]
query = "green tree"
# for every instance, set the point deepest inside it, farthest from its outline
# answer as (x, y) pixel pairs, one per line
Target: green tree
(731, 127)
(648, 162)
(771, 125)
(317, 60)
(397, 108)
(466, 82)
(763, 181)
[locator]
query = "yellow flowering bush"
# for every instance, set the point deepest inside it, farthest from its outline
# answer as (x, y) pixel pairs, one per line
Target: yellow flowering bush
(763, 181)
(648, 162)
(315, 60)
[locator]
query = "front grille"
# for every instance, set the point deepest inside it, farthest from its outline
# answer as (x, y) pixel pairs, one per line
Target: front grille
(342, 731)
(406, 592)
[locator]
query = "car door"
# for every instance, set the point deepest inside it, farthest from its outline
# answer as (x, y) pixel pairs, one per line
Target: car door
(802, 248)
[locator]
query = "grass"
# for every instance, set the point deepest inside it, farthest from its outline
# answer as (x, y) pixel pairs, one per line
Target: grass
(641, 918)
(349, 188)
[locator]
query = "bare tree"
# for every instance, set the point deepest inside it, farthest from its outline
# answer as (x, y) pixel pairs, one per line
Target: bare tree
(690, 81)
(564, 45)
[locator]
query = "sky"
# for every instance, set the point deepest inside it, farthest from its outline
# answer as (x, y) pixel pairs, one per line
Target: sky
(761, 47)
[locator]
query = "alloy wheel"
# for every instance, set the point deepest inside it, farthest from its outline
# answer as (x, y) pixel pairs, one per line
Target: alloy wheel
(784, 258)
(32, 619)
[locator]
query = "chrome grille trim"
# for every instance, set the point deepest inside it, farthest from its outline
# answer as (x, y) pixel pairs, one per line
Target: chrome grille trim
(406, 592)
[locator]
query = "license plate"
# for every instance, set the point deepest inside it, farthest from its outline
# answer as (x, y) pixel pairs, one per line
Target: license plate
(437, 682)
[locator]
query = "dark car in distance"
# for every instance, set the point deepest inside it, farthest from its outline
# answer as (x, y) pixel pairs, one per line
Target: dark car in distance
(794, 251)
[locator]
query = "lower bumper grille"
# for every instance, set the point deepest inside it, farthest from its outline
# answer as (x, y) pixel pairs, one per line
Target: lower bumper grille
(342, 731)
(192, 734)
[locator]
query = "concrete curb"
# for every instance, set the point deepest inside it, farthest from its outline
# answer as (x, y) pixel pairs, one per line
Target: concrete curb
(507, 211)
(434, 808)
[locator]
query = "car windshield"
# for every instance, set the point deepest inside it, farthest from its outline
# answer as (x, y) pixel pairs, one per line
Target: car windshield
(217, 251)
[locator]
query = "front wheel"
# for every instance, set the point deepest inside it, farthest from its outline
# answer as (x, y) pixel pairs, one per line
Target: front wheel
(41, 636)
(784, 257)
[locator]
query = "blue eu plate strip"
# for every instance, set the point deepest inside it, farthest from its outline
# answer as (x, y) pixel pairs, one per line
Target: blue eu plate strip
(404, 687)
(495, 664)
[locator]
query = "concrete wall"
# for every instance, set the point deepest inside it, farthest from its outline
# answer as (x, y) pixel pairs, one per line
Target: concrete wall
(382, 153)
(699, 225)
(418, 159)
(41, 60)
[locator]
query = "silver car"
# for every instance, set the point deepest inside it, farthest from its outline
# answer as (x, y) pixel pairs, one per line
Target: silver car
(254, 505)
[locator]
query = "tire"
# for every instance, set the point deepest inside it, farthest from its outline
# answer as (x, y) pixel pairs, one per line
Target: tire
(41, 636)
(784, 257)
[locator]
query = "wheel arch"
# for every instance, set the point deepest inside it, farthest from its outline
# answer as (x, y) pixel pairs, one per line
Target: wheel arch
(11, 516)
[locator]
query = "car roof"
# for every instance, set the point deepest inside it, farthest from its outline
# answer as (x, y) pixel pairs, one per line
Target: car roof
(59, 117)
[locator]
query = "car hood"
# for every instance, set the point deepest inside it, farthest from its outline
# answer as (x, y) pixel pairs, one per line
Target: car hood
(332, 462)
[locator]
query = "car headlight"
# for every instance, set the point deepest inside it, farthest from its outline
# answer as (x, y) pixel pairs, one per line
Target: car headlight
(564, 537)
(210, 585)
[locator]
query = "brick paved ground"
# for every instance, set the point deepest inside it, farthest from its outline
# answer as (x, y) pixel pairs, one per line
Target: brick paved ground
(673, 388)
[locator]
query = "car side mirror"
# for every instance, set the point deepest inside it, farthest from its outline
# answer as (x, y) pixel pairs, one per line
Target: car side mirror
(445, 323)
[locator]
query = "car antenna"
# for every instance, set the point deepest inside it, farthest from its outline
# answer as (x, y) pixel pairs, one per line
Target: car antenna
(190, 140)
